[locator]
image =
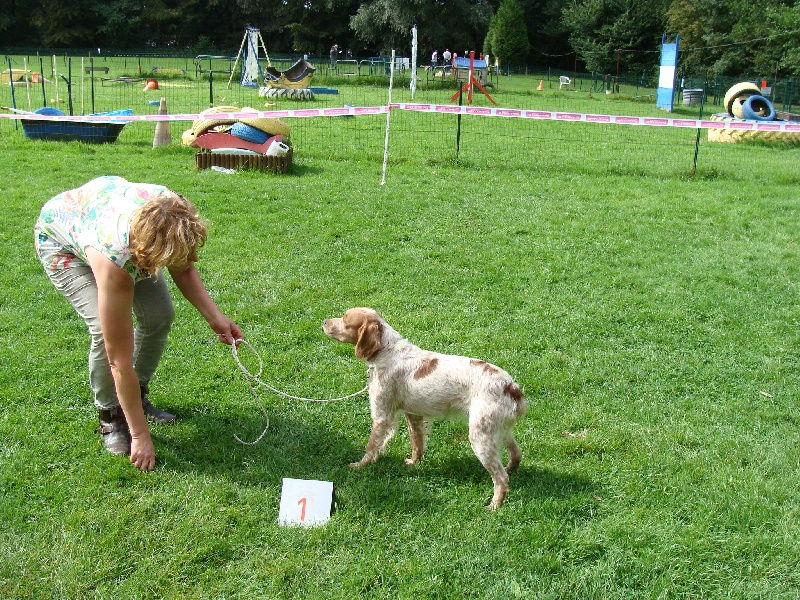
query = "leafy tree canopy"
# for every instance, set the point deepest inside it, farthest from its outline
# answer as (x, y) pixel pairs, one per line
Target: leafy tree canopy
(731, 37)
(459, 25)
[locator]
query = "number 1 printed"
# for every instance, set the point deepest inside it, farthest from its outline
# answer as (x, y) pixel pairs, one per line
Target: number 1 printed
(302, 503)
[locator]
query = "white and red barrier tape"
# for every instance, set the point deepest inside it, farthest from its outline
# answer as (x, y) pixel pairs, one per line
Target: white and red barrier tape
(434, 108)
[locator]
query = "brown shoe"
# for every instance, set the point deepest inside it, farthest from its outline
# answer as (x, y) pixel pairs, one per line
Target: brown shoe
(151, 412)
(114, 429)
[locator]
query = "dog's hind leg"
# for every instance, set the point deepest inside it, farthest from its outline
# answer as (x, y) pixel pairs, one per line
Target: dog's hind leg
(381, 433)
(416, 432)
(485, 444)
(514, 453)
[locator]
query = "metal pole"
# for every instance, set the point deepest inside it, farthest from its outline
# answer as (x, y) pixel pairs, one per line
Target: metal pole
(697, 138)
(91, 71)
(458, 121)
(41, 77)
(11, 84)
(69, 85)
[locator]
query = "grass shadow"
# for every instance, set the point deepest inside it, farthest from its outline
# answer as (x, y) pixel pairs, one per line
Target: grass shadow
(533, 480)
(391, 486)
(291, 447)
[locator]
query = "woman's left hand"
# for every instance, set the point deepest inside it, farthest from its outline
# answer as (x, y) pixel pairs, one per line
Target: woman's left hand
(227, 330)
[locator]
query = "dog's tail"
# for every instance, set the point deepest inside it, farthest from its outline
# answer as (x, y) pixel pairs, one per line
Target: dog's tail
(513, 391)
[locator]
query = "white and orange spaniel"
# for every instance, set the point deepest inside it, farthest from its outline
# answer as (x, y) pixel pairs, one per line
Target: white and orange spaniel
(423, 384)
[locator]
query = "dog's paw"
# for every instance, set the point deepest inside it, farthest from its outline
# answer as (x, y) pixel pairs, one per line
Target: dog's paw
(497, 499)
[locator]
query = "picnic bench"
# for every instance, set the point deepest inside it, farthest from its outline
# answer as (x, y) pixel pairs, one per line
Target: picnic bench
(89, 70)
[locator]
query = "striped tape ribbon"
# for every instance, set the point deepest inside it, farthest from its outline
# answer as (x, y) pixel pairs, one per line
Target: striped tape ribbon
(434, 108)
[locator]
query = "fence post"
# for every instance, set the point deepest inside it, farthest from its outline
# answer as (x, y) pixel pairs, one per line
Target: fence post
(697, 138)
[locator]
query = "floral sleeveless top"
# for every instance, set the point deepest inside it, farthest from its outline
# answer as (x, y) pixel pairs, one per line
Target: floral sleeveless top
(97, 215)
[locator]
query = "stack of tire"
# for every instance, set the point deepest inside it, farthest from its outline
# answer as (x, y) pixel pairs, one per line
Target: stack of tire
(229, 136)
(744, 102)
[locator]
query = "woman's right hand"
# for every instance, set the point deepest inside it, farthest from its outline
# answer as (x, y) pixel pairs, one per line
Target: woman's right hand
(115, 304)
(143, 453)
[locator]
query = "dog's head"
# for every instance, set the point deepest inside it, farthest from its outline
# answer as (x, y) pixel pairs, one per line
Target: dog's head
(360, 326)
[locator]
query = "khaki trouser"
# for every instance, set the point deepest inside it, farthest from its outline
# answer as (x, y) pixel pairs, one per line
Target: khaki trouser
(152, 307)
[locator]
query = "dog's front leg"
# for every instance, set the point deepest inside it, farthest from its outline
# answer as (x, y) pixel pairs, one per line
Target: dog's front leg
(416, 433)
(381, 433)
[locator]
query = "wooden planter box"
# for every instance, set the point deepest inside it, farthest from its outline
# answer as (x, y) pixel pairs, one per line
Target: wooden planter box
(276, 164)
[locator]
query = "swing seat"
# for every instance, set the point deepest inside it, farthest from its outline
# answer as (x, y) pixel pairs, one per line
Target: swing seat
(298, 76)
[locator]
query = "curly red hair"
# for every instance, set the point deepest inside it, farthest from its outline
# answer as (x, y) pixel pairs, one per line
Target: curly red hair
(166, 232)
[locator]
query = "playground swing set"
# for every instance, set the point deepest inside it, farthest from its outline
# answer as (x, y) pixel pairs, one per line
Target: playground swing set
(297, 77)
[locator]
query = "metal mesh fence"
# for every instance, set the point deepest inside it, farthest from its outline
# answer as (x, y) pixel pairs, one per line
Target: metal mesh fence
(189, 85)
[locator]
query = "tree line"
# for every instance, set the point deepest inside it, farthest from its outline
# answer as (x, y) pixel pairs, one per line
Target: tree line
(728, 37)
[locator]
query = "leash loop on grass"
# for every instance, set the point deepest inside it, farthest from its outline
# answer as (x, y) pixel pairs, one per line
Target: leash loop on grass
(252, 379)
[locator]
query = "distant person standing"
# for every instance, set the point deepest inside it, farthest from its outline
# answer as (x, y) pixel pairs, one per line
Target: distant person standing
(334, 52)
(447, 56)
(434, 59)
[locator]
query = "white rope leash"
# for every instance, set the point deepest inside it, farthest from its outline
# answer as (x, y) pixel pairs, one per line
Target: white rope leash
(250, 378)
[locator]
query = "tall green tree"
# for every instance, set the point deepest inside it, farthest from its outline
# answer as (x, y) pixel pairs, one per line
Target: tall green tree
(607, 32)
(459, 25)
(787, 22)
(313, 27)
(67, 24)
(737, 37)
(120, 24)
(16, 26)
(547, 36)
(508, 39)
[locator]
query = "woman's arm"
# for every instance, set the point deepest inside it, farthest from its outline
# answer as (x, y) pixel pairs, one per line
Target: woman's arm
(115, 304)
(191, 286)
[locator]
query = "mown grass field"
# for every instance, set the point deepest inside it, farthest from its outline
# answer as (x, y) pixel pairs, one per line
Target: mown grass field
(651, 318)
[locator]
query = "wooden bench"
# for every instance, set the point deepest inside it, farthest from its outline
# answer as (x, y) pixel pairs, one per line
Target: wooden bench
(89, 70)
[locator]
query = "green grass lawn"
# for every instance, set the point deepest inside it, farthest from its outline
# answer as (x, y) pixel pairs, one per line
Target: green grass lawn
(650, 317)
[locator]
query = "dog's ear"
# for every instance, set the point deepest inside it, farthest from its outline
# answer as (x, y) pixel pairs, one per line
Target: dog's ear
(369, 339)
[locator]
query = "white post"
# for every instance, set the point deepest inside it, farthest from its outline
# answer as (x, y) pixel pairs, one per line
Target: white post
(83, 75)
(27, 81)
(388, 116)
(55, 78)
(413, 61)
